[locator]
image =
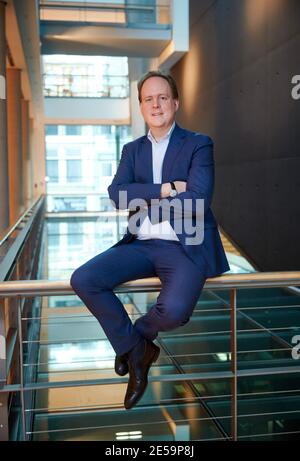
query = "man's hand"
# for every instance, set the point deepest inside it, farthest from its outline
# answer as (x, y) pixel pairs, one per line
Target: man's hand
(166, 188)
(180, 186)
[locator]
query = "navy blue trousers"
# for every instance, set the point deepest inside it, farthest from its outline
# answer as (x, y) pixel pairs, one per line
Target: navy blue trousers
(182, 282)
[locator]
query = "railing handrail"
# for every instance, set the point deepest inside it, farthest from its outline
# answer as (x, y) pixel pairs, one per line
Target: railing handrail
(11, 229)
(100, 6)
(11, 254)
(62, 287)
(50, 74)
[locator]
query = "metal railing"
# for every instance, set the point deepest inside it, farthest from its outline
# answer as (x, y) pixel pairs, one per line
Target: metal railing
(158, 14)
(13, 251)
(85, 86)
(34, 288)
(19, 260)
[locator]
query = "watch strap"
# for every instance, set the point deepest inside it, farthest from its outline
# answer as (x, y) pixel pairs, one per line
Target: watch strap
(173, 186)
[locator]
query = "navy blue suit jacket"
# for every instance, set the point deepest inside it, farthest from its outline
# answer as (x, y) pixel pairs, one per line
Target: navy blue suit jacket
(189, 157)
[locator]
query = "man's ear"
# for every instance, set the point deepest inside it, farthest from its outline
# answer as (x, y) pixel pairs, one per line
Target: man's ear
(177, 104)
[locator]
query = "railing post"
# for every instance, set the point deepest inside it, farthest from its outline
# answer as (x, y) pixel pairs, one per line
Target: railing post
(4, 432)
(233, 349)
(21, 366)
(2, 343)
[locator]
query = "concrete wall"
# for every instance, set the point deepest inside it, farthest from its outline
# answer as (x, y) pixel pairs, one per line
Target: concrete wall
(235, 85)
(87, 110)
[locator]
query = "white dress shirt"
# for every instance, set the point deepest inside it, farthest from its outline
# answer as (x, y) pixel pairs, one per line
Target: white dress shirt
(162, 230)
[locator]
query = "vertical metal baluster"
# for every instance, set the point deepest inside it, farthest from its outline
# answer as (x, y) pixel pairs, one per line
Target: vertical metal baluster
(21, 367)
(233, 348)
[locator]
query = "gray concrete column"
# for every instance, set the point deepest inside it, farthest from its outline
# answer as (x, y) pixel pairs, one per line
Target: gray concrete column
(138, 127)
(137, 67)
(4, 202)
(14, 138)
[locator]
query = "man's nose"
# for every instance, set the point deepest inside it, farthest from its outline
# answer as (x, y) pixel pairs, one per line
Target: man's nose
(155, 102)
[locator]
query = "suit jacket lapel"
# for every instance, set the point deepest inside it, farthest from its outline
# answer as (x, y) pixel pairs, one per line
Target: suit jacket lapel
(176, 142)
(147, 159)
(173, 150)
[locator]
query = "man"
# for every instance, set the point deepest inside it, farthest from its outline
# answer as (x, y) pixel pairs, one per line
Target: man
(169, 172)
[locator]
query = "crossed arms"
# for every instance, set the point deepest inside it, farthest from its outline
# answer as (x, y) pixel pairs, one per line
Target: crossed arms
(199, 183)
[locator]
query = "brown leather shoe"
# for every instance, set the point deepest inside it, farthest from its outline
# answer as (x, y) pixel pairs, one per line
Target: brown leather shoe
(140, 359)
(121, 364)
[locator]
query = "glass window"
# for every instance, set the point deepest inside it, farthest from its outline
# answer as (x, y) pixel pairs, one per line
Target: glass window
(105, 204)
(75, 240)
(75, 227)
(73, 130)
(51, 152)
(51, 130)
(106, 169)
(73, 170)
(83, 166)
(69, 204)
(53, 227)
(52, 170)
(73, 151)
(100, 130)
(53, 241)
(86, 76)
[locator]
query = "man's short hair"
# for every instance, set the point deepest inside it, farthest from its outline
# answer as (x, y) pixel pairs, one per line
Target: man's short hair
(158, 73)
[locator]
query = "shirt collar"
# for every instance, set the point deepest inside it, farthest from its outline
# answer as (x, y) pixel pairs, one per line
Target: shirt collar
(167, 135)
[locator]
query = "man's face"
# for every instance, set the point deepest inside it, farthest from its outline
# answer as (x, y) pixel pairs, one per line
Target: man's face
(157, 104)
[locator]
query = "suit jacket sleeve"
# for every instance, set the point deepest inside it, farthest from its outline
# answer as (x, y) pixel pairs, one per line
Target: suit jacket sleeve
(200, 181)
(200, 185)
(124, 182)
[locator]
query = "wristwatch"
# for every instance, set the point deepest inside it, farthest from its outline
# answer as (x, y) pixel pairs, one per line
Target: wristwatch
(173, 192)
